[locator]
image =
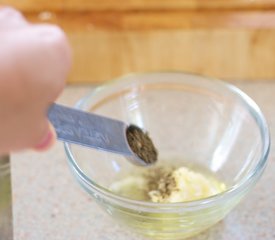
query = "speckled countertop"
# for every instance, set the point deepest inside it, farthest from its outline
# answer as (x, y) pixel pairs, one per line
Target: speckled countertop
(48, 203)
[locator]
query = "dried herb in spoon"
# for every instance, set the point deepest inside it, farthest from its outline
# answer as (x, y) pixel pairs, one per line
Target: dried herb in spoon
(141, 144)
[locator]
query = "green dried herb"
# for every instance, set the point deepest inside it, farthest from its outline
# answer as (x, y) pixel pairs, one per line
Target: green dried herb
(141, 144)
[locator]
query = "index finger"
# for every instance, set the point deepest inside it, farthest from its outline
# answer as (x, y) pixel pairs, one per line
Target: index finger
(10, 18)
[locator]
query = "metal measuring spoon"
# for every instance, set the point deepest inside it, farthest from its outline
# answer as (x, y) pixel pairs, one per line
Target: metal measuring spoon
(95, 131)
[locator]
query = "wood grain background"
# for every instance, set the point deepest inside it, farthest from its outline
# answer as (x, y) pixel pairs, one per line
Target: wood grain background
(88, 5)
(219, 38)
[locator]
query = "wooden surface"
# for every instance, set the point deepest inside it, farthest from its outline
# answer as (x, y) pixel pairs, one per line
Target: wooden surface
(239, 54)
(158, 20)
(220, 38)
(86, 5)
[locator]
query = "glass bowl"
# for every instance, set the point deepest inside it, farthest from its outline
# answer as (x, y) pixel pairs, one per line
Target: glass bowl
(192, 120)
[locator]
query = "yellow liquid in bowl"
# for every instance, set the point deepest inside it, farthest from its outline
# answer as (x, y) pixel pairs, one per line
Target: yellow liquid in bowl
(179, 223)
(178, 184)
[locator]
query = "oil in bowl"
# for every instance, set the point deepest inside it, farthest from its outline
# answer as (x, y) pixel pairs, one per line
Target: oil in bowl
(168, 183)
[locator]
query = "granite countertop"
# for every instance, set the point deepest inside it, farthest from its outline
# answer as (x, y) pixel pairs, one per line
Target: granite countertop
(48, 203)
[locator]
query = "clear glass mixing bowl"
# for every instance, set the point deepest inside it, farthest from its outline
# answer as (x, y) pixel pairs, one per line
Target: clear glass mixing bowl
(191, 118)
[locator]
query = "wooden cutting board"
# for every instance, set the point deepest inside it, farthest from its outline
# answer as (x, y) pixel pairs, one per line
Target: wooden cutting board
(219, 38)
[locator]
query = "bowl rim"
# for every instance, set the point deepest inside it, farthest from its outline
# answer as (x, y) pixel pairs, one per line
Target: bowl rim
(253, 175)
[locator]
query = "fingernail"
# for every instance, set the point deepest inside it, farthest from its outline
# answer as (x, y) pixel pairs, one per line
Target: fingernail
(47, 141)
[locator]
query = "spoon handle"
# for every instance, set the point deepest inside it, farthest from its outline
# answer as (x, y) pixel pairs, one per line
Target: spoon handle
(88, 129)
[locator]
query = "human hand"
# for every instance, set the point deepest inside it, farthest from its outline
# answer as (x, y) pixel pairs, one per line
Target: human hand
(34, 62)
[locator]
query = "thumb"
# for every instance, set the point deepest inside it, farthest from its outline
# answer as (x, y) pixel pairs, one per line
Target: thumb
(48, 140)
